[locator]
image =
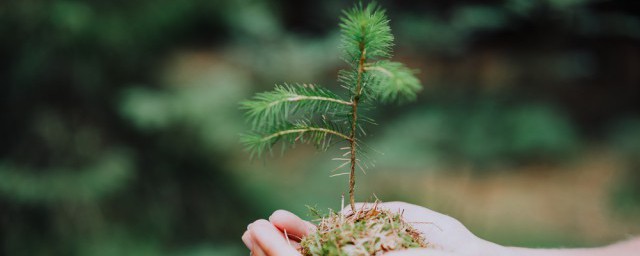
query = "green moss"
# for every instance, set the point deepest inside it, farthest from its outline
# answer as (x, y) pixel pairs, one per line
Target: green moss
(367, 232)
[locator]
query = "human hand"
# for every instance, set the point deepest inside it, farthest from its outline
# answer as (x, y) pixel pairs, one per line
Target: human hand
(445, 235)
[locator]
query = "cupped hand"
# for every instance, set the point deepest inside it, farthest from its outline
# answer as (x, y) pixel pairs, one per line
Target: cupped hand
(446, 236)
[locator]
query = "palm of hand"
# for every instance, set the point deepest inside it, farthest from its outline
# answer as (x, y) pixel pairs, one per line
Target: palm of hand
(445, 235)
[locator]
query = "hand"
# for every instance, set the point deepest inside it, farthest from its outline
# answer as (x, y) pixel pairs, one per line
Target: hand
(446, 235)
(267, 238)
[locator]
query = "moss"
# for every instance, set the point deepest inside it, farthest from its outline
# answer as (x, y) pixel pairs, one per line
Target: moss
(371, 231)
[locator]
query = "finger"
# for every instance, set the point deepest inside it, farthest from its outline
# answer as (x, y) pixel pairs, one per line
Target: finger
(246, 239)
(270, 240)
(257, 251)
(294, 226)
(420, 252)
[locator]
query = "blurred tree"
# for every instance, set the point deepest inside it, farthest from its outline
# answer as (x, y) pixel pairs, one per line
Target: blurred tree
(80, 178)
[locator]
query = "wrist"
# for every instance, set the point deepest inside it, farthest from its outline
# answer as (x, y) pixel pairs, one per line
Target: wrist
(499, 250)
(480, 247)
(493, 249)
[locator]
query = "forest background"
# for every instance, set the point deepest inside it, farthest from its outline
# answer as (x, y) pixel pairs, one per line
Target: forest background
(119, 121)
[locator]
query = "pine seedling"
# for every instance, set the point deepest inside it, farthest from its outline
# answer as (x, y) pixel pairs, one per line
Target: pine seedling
(308, 113)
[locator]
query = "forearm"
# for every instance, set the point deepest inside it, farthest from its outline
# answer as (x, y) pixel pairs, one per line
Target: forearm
(627, 248)
(508, 251)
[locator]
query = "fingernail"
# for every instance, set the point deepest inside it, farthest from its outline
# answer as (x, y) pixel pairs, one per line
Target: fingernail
(261, 221)
(274, 214)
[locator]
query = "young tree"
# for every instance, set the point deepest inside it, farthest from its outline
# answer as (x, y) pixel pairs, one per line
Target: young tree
(312, 114)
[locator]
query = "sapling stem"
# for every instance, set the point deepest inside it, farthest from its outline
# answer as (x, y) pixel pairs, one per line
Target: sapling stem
(354, 120)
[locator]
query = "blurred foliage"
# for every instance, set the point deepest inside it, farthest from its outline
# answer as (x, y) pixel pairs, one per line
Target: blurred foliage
(481, 133)
(119, 119)
(204, 106)
(462, 23)
(111, 173)
(625, 137)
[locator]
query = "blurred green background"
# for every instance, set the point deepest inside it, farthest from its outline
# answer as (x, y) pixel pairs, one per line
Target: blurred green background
(119, 121)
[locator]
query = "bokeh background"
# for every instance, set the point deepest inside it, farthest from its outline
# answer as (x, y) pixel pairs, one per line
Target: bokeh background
(119, 121)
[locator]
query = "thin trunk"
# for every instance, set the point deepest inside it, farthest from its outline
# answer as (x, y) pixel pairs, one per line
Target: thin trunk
(354, 120)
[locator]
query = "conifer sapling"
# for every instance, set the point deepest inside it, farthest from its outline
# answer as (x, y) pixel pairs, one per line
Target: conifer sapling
(309, 113)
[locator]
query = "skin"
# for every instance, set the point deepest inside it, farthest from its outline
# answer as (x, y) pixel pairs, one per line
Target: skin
(447, 236)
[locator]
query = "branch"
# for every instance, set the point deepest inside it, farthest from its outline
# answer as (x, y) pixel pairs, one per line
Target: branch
(393, 81)
(297, 98)
(303, 131)
(271, 109)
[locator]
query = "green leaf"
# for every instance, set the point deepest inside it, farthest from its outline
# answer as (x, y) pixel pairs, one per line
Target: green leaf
(392, 81)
